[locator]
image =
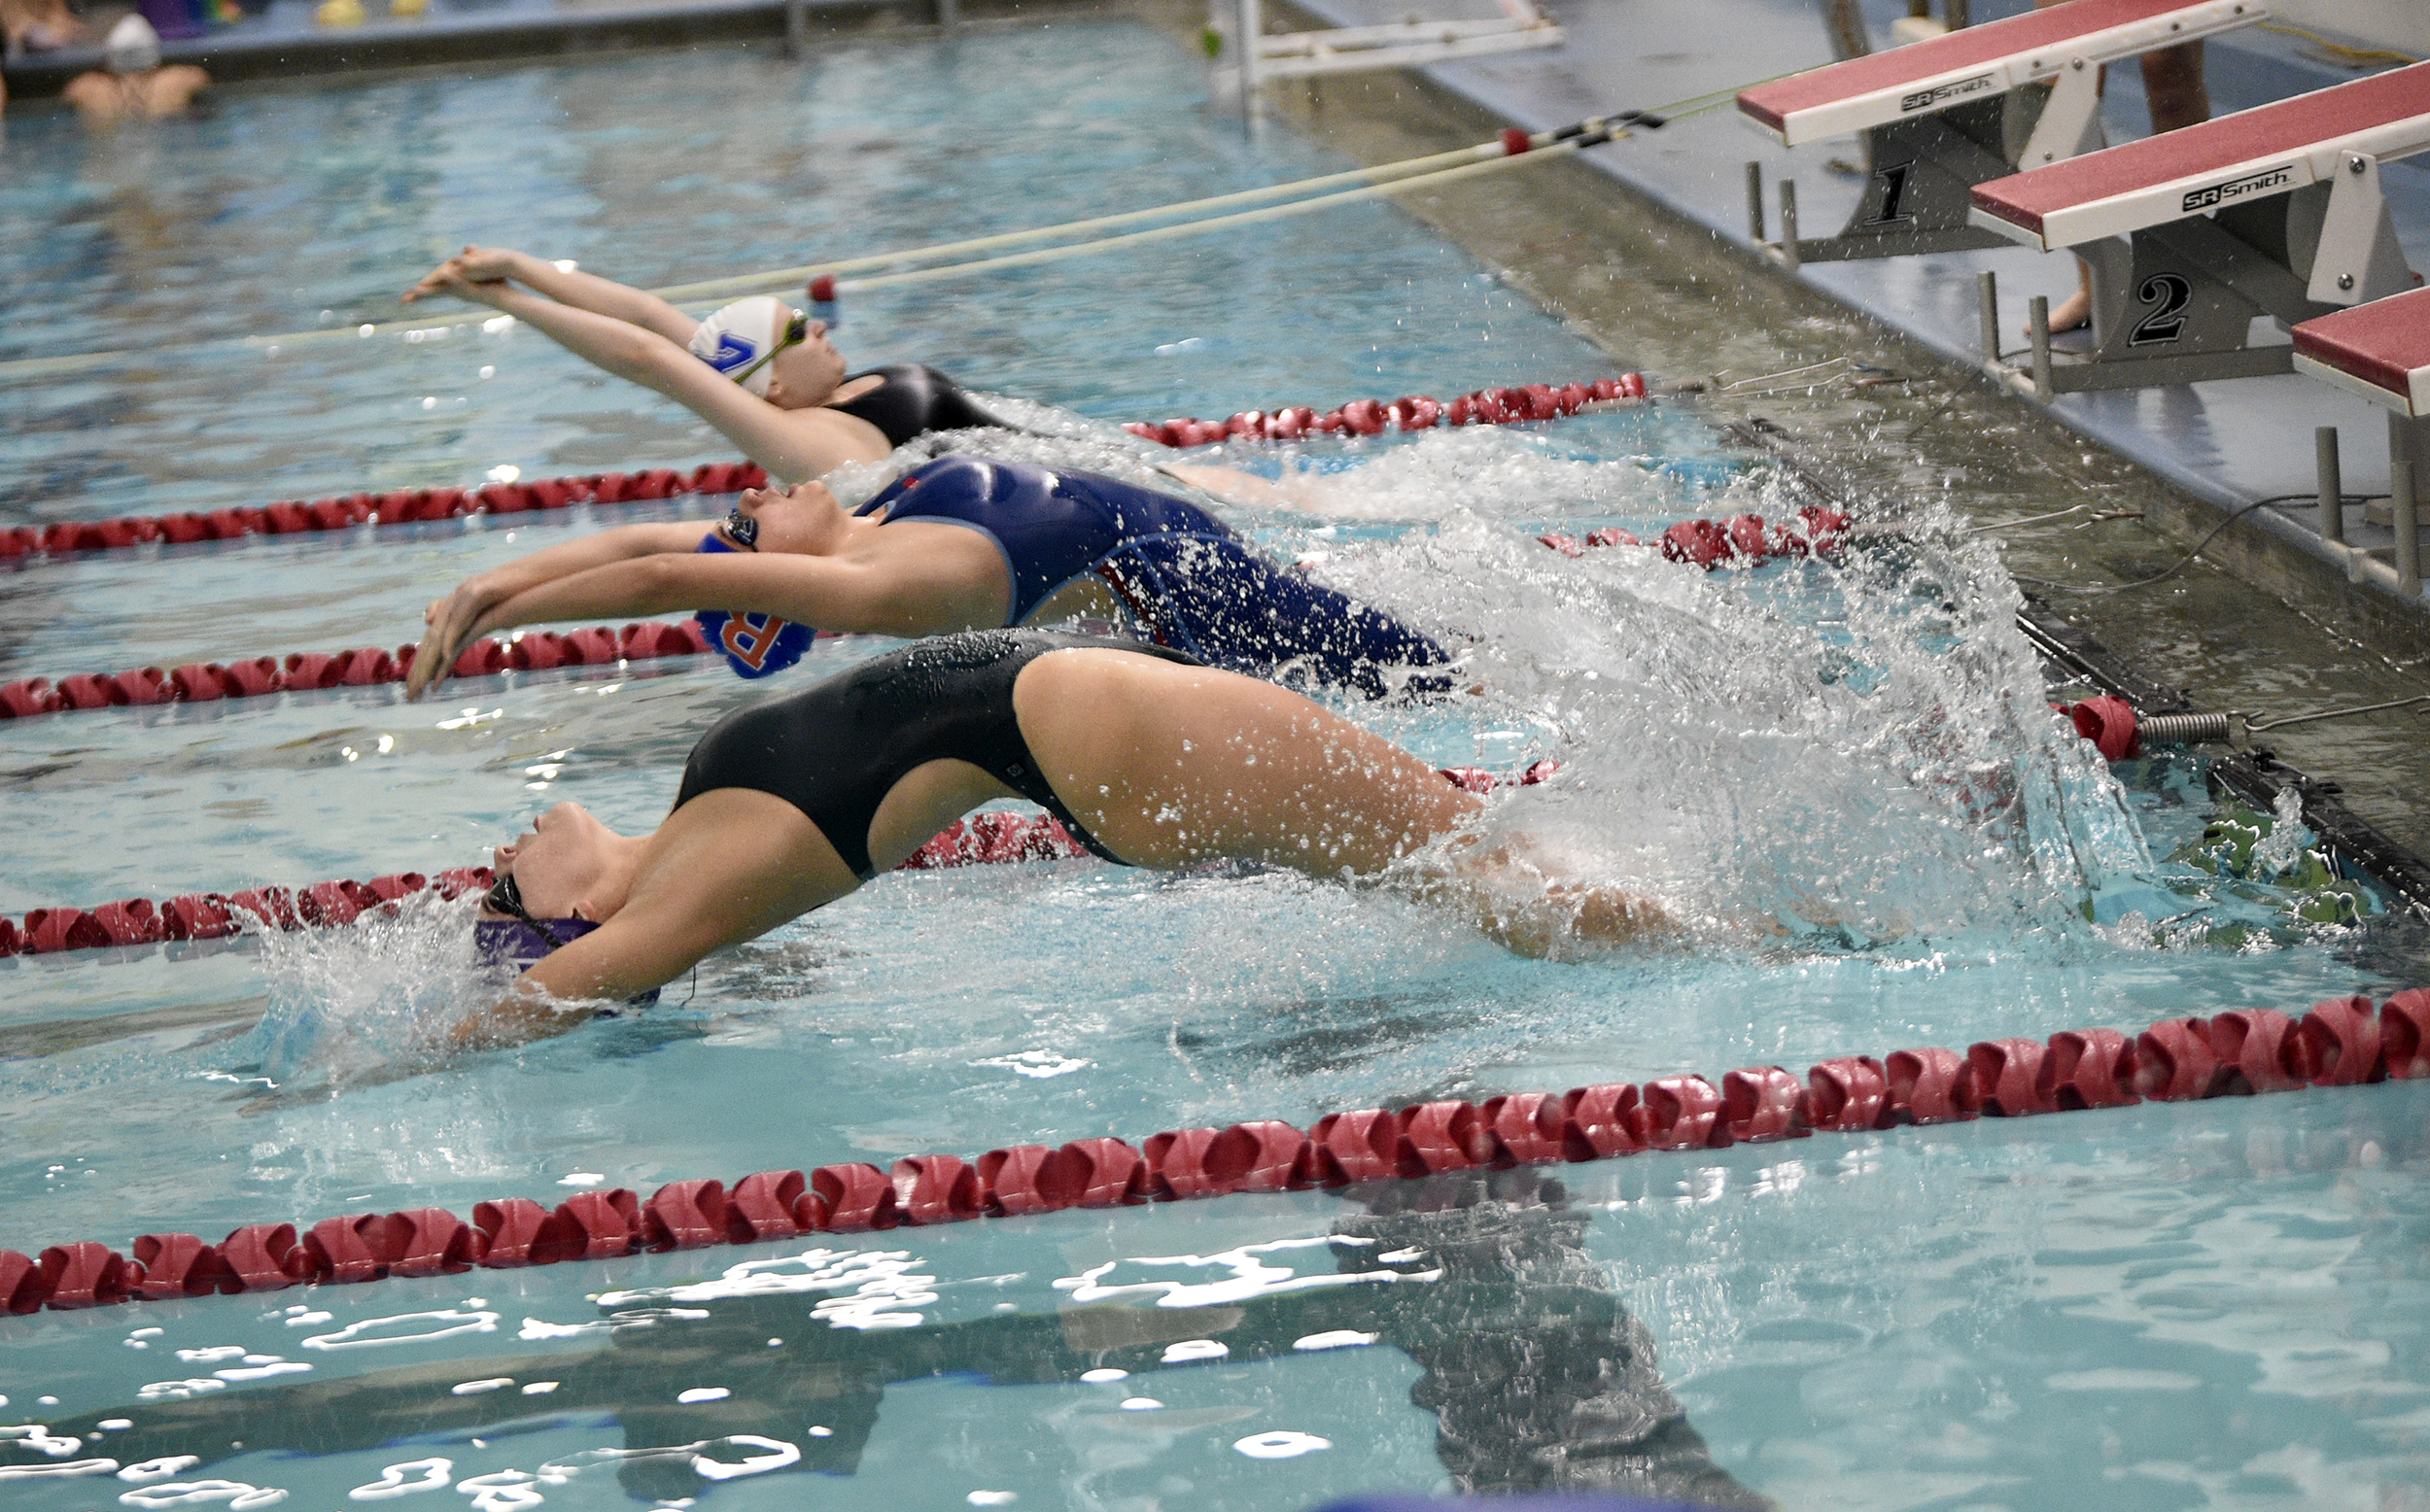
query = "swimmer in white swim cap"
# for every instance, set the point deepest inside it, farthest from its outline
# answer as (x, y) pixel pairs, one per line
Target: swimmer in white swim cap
(132, 48)
(761, 371)
(131, 80)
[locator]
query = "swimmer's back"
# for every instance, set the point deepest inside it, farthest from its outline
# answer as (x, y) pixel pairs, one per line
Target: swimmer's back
(913, 399)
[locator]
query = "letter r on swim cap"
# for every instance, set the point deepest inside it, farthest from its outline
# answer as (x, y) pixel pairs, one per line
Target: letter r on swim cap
(749, 637)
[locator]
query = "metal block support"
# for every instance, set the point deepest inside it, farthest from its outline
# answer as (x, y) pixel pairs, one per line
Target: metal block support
(2401, 506)
(1754, 202)
(2324, 445)
(1788, 224)
(2038, 312)
(1987, 292)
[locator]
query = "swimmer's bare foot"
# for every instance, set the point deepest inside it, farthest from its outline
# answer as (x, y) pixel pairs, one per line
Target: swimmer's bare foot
(2074, 312)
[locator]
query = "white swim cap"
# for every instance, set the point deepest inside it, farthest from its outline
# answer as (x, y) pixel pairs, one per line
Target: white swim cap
(738, 335)
(133, 47)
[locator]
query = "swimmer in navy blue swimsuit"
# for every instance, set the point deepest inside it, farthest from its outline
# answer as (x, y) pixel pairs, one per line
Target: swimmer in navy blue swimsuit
(960, 544)
(1190, 580)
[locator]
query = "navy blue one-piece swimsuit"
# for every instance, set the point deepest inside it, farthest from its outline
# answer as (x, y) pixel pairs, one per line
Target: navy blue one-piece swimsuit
(1194, 584)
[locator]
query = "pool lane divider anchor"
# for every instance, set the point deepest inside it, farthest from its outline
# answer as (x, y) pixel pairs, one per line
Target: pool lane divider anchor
(411, 506)
(995, 839)
(2342, 1041)
(1744, 539)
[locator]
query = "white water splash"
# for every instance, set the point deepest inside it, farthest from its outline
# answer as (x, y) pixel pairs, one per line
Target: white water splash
(371, 1000)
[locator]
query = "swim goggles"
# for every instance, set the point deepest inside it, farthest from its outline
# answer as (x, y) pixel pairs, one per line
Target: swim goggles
(796, 331)
(743, 532)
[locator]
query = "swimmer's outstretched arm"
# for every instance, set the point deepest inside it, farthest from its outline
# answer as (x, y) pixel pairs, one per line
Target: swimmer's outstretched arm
(568, 287)
(451, 620)
(906, 593)
(794, 445)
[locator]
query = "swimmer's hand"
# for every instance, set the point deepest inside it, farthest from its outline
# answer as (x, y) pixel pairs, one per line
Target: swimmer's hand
(452, 621)
(526, 1015)
(1516, 902)
(477, 273)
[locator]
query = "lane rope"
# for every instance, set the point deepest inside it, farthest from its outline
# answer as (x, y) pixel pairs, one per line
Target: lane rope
(2341, 1042)
(1512, 146)
(413, 506)
(1708, 544)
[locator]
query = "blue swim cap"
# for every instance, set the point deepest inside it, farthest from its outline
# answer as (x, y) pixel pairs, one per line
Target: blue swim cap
(754, 645)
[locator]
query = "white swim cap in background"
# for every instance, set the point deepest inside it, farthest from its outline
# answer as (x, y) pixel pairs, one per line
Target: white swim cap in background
(741, 334)
(132, 48)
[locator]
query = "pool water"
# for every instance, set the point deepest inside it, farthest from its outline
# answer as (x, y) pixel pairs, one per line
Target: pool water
(1844, 779)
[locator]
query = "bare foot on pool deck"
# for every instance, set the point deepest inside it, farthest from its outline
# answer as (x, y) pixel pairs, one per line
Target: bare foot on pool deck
(2074, 312)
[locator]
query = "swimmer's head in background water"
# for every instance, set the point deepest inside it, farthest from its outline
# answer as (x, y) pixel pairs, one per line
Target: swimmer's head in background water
(132, 48)
(742, 339)
(752, 644)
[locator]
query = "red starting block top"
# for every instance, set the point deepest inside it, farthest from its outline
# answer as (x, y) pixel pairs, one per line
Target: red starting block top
(1980, 63)
(2380, 351)
(2272, 149)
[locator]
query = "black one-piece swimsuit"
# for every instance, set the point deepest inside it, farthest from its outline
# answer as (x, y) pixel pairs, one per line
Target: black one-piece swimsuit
(836, 748)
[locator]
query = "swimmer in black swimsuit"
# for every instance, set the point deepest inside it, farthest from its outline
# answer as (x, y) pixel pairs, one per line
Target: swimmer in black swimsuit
(1151, 759)
(759, 370)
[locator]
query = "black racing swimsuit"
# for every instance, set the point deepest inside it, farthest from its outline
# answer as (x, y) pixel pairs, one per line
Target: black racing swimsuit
(835, 749)
(913, 401)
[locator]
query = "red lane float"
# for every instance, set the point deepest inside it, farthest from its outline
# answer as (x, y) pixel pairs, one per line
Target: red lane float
(405, 506)
(2342, 1041)
(1409, 412)
(202, 682)
(410, 506)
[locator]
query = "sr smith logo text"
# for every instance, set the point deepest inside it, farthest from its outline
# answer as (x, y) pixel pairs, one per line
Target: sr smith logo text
(2239, 188)
(1923, 99)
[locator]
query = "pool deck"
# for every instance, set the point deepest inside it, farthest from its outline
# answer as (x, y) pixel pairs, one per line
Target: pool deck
(285, 38)
(2226, 443)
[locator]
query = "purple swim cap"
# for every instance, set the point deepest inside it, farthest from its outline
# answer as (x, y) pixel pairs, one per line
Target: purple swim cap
(504, 942)
(510, 942)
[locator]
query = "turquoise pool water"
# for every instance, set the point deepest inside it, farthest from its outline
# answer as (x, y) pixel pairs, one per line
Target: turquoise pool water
(1847, 774)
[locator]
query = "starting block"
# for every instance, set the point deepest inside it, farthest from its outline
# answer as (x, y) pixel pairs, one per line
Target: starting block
(2381, 353)
(2193, 236)
(1942, 116)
